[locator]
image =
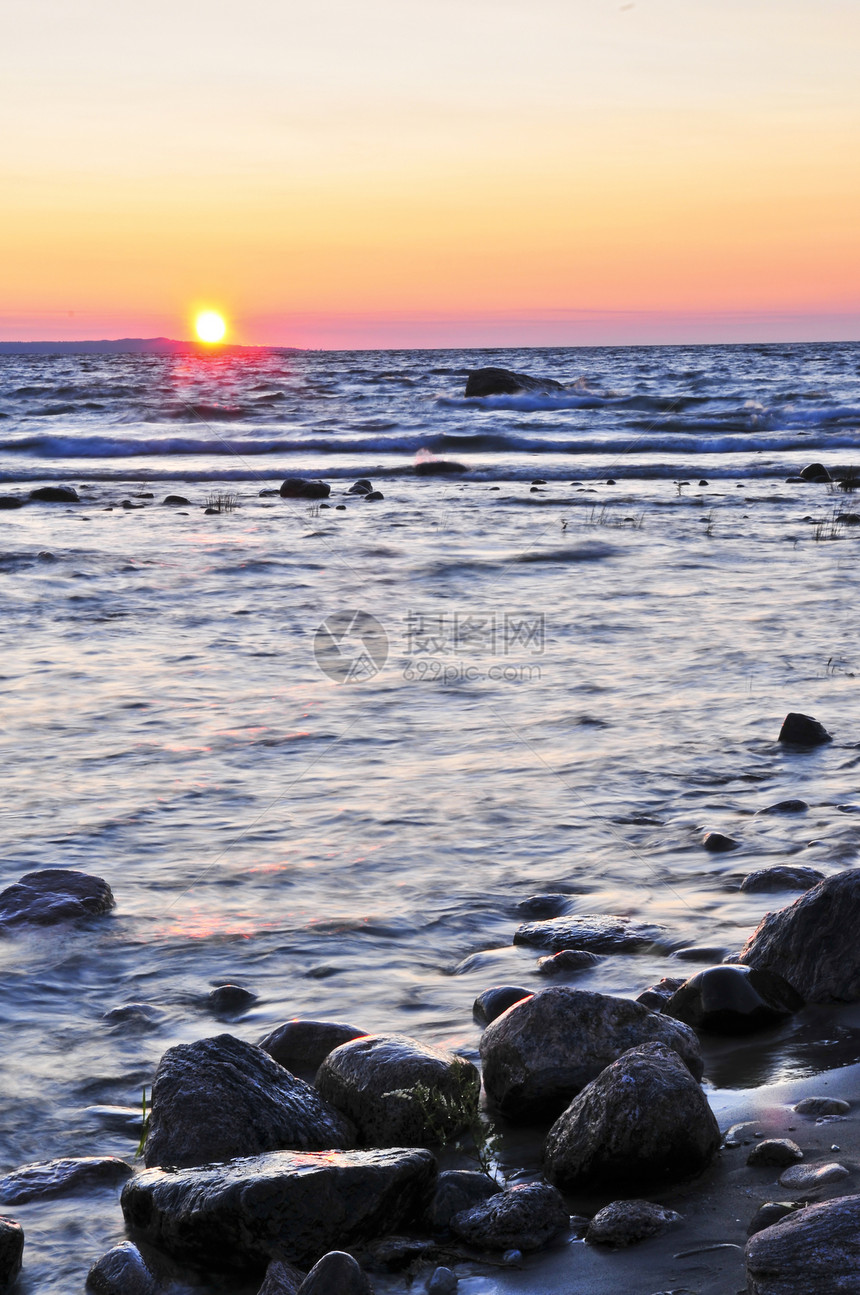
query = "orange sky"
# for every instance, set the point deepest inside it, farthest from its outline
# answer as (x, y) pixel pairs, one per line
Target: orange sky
(407, 173)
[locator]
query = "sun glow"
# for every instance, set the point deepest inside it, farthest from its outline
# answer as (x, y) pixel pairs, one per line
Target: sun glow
(211, 327)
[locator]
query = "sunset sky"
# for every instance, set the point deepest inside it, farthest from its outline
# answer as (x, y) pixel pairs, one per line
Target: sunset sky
(400, 172)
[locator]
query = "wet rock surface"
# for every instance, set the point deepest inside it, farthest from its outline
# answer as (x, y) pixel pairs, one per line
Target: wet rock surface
(596, 933)
(11, 1250)
(61, 1177)
(525, 1217)
(718, 843)
(803, 730)
(220, 1098)
(655, 997)
(778, 1152)
(546, 1049)
(623, 1223)
(815, 1249)
(230, 1000)
(794, 806)
(399, 1092)
(336, 1274)
(458, 1190)
(304, 1045)
(492, 1002)
(504, 382)
(52, 895)
(285, 1205)
(299, 488)
(644, 1121)
(566, 961)
(812, 944)
(122, 1271)
(55, 495)
(781, 877)
(733, 1000)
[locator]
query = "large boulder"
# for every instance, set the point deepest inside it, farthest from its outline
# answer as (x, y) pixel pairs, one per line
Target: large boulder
(52, 895)
(304, 1045)
(643, 1122)
(219, 1098)
(399, 1092)
(733, 1000)
(812, 944)
(504, 382)
(284, 1205)
(544, 1050)
(11, 1250)
(61, 1178)
(815, 1250)
(595, 932)
(525, 1217)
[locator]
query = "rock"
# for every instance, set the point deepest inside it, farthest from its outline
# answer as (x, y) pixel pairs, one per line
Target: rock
(815, 1250)
(284, 1205)
(783, 876)
(504, 382)
(61, 1177)
(458, 1190)
(623, 1223)
(733, 1000)
(807, 1178)
(596, 933)
(394, 1253)
(492, 1002)
(565, 961)
(8, 502)
(768, 1214)
(299, 488)
(281, 1279)
(336, 1274)
(362, 487)
(716, 843)
(701, 953)
(56, 495)
(373, 496)
(122, 1271)
(230, 1000)
(822, 1106)
(439, 468)
(442, 1282)
(399, 1092)
(176, 501)
(778, 1152)
(304, 1045)
(525, 1217)
(11, 1250)
(803, 730)
(544, 905)
(644, 1121)
(54, 895)
(655, 997)
(812, 943)
(221, 1097)
(133, 1016)
(815, 472)
(848, 519)
(543, 1051)
(786, 807)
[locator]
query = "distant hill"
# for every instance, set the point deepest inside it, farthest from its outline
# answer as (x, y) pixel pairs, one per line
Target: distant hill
(130, 346)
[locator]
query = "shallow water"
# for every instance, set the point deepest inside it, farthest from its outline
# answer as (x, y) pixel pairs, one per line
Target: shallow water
(577, 685)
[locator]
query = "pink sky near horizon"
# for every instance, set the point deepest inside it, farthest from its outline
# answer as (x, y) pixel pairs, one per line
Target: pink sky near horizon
(406, 174)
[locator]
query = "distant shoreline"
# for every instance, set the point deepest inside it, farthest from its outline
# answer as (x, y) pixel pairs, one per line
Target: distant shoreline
(134, 346)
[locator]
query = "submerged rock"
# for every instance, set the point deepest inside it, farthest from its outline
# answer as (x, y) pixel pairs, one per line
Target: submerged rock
(230, 1000)
(812, 944)
(458, 1190)
(504, 382)
(176, 501)
(299, 488)
(55, 495)
(54, 895)
(543, 1051)
(733, 1000)
(644, 1121)
(544, 905)
(11, 501)
(596, 933)
(122, 1271)
(373, 496)
(623, 1223)
(803, 730)
(11, 1250)
(220, 1098)
(284, 1205)
(655, 997)
(815, 472)
(304, 1045)
(492, 1002)
(361, 487)
(815, 1249)
(525, 1217)
(785, 876)
(786, 807)
(336, 1274)
(399, 1092)
(439, 468)
(61, 1177)
(717, 843)
(565, 961)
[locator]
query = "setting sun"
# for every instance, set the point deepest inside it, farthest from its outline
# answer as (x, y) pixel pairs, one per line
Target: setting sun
(210, 326)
